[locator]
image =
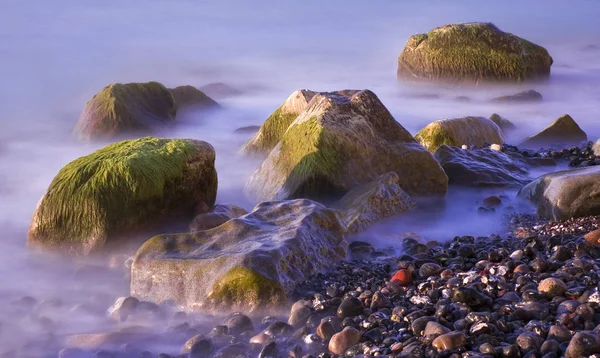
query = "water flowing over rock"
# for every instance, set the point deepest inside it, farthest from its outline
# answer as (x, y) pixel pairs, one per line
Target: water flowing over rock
(374, 201)
(190, 96)
(564, 131)
(525, 96)
(565, 194)
(122, 189)
(220, 214)
(126, 109)
(481, 167)
(473, 53)
(249, 263)
(339, 142)
(456, 132)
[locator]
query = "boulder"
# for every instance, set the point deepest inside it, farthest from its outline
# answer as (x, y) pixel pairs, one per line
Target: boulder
(123, 189)
(472, 53)
(564, 131)
(126, 109)
(250, 263)
(374, 201)
(504, 124)
(481, 167)
(525, 96)
(220, 214)
(190, 96)
(342, 140)
(476, 131)
(272, 130)
(565, 194)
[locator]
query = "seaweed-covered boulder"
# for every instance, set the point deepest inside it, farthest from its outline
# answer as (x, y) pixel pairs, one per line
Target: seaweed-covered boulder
(525, 96)
(565, 194)
(250, 263)
(481, 167)
(191, 97)
(476, 131)
(504, 124)
(126, 109)
(564, 131)
(219, 214)
(342, 140)
(107, 197)
(472, 52)
(366, 204)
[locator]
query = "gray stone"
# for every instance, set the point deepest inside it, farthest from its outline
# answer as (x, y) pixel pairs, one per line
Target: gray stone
(564, 131)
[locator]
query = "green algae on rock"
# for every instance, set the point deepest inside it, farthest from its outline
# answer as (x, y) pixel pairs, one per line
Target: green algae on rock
(342, 140)
(460, 131)
(473, 53)
(249, 263)
(564, 131)
(126, 109)
(122, 189)
(190, 96)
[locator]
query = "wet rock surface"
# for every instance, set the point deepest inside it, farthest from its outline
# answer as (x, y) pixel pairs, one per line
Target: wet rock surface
(525, 96)
(564, 131)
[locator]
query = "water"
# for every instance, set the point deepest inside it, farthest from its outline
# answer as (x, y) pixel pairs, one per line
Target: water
(56, 55)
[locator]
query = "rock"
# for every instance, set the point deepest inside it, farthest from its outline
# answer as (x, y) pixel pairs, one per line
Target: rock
(201, 348)
(126, 109)
(299, 316)
(187, 346)
(110, 339)
(402, 277)
(220, 214)
(127, 188)
(596, 147)
(248, 263)
(435, 329)
(529, 341)
(504, 124)
(429, 269)
(450, 341)
(374, 201)
(418, 325)
(340, 342)
(473, 53)
(339, 142)
(593, 237)
(350, 307)
(565, 194)
(191, 97)
(481, 167)
(326, 329)
(552, 287)
(272, 130)
(564, 131)
(123, 308)
(247, 129)
(455, 132)
(525, 96)
(238, 323)
(583, 344)
(220, 90)
(492, 201)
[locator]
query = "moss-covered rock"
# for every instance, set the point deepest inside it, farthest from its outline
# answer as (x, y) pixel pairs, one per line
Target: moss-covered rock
(460, 131)
(126, 109)
(564, 131)
(190, 96)
(122, 189)
(219, 214)
(505, 125)
(366, 204)
(250, 263)
(472, 52)
(342, 140)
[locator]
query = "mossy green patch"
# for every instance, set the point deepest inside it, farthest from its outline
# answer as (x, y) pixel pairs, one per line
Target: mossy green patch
(244, 286)
(271, 132)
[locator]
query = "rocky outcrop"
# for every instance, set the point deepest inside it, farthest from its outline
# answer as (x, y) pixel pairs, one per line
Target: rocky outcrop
(126, 109)
(220, 214)
(472, 52)
(374, 201)
(525, 96)
(596, 148)
(505, 125)
(191, 97)
(250, 263)
(565, 194)
(564, 131)
(476, 131)
(481, 167)
(122, 189)
(339, 142)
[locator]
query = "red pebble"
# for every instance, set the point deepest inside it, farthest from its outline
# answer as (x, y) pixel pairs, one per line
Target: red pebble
(402, 277)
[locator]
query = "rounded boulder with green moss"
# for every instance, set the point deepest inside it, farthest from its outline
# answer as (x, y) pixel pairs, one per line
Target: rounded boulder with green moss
(456, 132)
(472, 52)
(124, 189)
(251, 263)
(191, 97)
(125, 110)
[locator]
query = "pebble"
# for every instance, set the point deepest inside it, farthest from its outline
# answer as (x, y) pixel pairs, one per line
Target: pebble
(350, 307)
(342, 341)
(402, 277)
(238, 323)
(552, 287)
(434, 328)
(583, 344)
(450, 341)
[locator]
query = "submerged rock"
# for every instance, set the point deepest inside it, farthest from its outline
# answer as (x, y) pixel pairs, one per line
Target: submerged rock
(456, 132)
(339, 142)
(126, 109)
(525, 96)
(250, 263)
(220, 214)
(374, 201)
(481, 167)
(123, 189)
(565, 194)
(472, 52)
(562, 132)
(504, 124)
(190, 96)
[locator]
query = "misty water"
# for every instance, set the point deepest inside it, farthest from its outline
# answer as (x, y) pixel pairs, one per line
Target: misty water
(55, 55)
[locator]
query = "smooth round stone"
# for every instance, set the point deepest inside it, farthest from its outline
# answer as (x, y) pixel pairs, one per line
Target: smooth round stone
(419, 324)
(350, 307)
(552, 287)
(559, 333)
(238, 323)
(403, 277)
(550, 346)
(340, 342)
(123, 308)
(269, 351)
(450, 341)
(202, 348)
(522, 268)
(379, 300)
(492, 201)
(593, 237)
(190, 342)
(583, 344)
(528, 341)
(325, 330)
(466, 251)
(517, 255)
(434, 328)
(429, 269)
(299, 316)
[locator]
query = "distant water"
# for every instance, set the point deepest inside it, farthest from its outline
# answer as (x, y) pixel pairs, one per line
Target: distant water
(55, 55)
